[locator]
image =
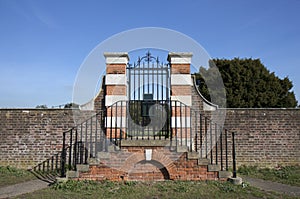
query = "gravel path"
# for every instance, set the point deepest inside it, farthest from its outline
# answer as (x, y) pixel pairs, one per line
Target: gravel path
(22, 188)
(273, 186)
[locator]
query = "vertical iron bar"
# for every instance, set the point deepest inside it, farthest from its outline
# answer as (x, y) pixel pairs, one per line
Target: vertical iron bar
(81, 135)
(221, 148)
(216, 140)
(111, 122)
(206, 141)
(196, 131)
(106, 133)
(152, 75)
(157, 83)
(233, 156)
(185, 127)
(175, 118)
(75, 150)
(170, 119)
(86, 141)
(91, 137)
(154, 130)
(200, 148)
(116, 125)
(226, 149)
(48, 165)
(143, 81)
(81, 131)
(52, 163)
(181, 139)
(129, 83)
(211, 148)
(191, 131)
(139, 83)
(121, 124)
(96, 135)
(162, 83)
(148, 76)
(56, 162)
(126, 120)
(70, 150)
(137, 117)
(63, 158)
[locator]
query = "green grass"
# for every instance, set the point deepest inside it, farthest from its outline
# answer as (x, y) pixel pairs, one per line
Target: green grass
(150, 190)
(10, 175)
(286, 175)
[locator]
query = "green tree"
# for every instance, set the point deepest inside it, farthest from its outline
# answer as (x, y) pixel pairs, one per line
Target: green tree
(71, 105)
(43, 106)
(248, 84)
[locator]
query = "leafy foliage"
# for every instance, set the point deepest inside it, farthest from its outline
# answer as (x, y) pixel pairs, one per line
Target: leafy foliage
(71, 105)
(248, 84)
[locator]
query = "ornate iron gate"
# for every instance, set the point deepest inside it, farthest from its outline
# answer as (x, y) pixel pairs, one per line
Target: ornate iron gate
(149, 98)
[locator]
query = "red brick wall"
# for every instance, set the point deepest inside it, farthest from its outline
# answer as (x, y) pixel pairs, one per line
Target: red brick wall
(30, 136)
(265, 137)
(180, 69)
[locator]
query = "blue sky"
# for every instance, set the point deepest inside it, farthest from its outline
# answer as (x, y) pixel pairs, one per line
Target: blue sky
(43, 43)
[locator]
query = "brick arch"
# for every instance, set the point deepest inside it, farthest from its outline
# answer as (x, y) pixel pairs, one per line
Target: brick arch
(159, 159)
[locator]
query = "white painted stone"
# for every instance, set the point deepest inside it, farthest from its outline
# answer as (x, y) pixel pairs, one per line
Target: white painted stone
(181, 122)
(111, 99)
(148, 154)
(115, 79)
(115, 122)
(185, 99)
(181, 79)
(116, 57)
(180, 58)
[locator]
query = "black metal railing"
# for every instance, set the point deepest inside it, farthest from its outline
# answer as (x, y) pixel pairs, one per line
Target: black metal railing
(83, 142)
(49, 169)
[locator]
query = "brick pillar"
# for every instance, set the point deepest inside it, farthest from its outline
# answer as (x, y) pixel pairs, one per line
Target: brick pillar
(115, 92)
(181, 83)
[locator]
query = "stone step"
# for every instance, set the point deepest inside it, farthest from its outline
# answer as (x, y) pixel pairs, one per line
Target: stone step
(192, 155)
(225, 174)
(203, 161)
(82, 167)
(72, 174)
(181, 149)
(213, 167)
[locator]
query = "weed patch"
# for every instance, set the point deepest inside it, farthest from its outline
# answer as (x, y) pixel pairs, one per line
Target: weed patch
(10, 175)
(287, 175)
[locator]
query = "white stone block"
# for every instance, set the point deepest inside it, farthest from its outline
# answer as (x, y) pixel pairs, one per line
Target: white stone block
(115, 122)
(181, 79)
(116, 57)
(148, 154)
(185, 99)
(181, 122)
(111, 99)
(115, 79)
